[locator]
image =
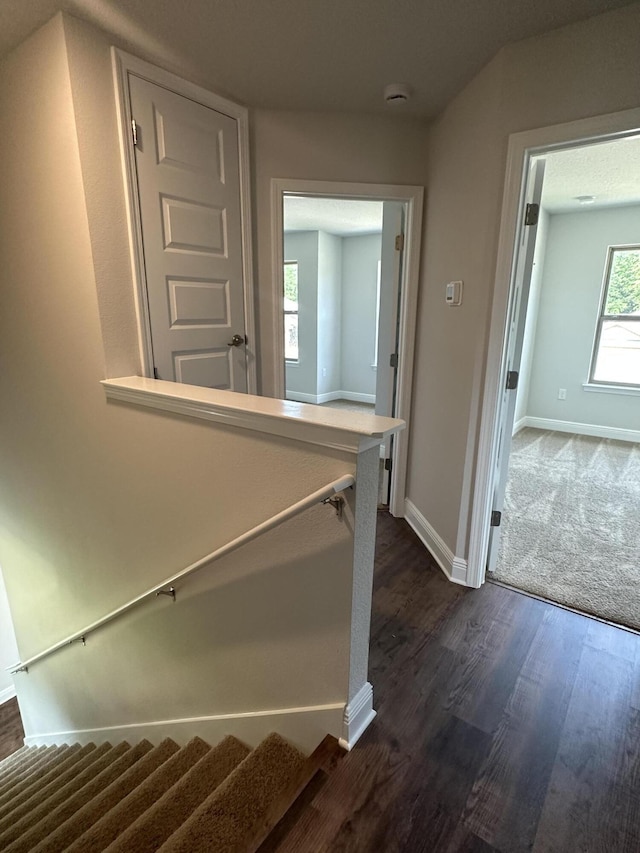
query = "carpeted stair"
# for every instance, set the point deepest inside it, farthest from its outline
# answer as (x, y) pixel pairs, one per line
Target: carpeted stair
(124, 799)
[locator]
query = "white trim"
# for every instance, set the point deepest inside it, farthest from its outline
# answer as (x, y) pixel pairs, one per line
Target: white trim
(319, 496)
(358, 715)
(301, 397)
(521, 147)
(330, 396)
(519, 424)
(304, 727)
(353, 432)
(123, 65)
(595, 430)
(455, 568)
(7, 694)
(625, 390)
(413, 197)
(357, 397)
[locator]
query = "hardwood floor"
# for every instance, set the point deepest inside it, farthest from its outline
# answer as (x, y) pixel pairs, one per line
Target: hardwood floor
(504, 724)
(11, 731)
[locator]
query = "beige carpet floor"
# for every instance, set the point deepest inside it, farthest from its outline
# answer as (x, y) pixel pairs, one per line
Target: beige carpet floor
(571, 523)
(141, 799)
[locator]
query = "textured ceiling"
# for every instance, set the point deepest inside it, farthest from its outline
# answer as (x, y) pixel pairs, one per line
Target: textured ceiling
(342, 217)
(608, 171)
(314, 54)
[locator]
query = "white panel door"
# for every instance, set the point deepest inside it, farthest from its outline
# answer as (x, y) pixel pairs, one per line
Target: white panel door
(188, 177)
(515, 338)
(390, 277)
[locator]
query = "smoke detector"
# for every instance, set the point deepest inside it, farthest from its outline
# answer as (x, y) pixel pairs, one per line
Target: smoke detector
(397, 93)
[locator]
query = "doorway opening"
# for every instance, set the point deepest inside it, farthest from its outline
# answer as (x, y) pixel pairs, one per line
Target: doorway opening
(567, 474)
(346, 275)
(336, 270)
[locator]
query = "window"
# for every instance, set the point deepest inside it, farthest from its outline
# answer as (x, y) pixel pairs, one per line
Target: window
(291, 310)
(616, 354)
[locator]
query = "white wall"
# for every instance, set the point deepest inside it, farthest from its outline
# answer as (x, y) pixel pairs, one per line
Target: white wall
(302, 247)
(531, 324)
(329, 313)
(590, 68)
(8, 649)
(323, 147)
(99, 501)
(360, 257)
(569, 304)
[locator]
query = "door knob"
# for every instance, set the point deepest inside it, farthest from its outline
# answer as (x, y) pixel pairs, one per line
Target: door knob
(236, 341)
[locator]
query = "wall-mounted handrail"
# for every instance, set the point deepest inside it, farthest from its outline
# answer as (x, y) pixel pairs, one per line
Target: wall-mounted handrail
(323, 495)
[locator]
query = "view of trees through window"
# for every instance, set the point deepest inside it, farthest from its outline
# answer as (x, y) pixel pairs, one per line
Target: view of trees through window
(291, 351)
(617, 351)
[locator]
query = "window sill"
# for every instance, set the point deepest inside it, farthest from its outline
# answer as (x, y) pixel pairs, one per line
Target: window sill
(627, 390)
(334, 428)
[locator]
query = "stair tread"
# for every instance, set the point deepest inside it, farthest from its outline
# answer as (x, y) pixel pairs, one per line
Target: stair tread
(20, 769)
(119, 818)
(162, 819)
(48, 797)
(14, 757)
(162, 799)
(71, 796)
(88, 814)
(40, 776)
(231, 813)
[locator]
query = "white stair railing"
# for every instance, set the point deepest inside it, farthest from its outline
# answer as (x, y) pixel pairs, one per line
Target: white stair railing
(328, 494)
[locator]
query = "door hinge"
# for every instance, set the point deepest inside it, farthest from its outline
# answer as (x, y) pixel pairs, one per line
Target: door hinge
(399, 242)
(393, 359)
(531, 215)
(496, 518)
(512, 380)
(134, 132)
(388, 464)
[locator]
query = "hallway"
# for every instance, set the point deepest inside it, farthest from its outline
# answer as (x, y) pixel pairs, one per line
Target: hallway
(504, 724)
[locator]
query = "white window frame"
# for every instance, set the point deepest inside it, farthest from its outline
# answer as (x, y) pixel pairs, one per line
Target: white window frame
(124, 65)
(293, 361)
(602, 317)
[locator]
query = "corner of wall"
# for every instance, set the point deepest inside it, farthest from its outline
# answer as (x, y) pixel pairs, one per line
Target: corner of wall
(94, 107)
(455, 568)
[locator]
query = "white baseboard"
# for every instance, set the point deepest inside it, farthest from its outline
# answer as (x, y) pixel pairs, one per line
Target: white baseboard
(299, 397)
(518, 425)
(7, 693)
(357, 716)
(357, 397)
(316, 399)
(455, 568)
(303, 727)
(329, 397)
(583, 429)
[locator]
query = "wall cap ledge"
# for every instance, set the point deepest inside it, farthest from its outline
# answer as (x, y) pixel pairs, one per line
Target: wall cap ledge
(339, 430)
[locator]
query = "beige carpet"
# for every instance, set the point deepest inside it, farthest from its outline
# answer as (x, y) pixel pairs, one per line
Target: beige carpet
(141, 799)
(571, 523)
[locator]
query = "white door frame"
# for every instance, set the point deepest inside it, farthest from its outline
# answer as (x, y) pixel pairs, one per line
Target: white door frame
(124, 64)
(522, 147)
(413, 197)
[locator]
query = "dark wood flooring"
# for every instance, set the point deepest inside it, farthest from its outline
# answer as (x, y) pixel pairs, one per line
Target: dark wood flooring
(11, 731)
(504, 724)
